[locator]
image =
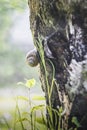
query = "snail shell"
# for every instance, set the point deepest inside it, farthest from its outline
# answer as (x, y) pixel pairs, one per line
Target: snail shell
(32, 58)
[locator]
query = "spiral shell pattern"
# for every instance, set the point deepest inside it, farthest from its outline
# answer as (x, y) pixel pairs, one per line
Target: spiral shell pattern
(32, 58)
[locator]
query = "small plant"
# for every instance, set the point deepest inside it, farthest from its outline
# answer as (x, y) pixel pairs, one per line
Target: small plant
(35, 122)
(34, 118)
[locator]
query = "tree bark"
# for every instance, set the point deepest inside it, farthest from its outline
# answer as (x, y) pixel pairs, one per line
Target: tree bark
(60, 27)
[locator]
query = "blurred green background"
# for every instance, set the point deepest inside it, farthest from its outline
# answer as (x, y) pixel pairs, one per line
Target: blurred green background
(15, 42)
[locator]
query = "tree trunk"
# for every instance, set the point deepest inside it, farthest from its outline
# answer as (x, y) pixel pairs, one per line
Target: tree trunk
(59, 30)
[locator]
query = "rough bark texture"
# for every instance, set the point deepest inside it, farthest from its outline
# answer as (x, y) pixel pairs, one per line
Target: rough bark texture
(63, 26)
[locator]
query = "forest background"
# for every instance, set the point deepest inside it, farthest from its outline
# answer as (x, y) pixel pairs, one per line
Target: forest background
(15, 42)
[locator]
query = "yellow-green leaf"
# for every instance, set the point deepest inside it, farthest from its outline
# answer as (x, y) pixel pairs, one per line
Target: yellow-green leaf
(30, 83)
(39, 107)
(40, 120)
(23, 98)
(38, 97)
(23, 119)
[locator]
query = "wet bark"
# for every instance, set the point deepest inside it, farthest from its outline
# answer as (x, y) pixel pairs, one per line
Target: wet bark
(62, 26)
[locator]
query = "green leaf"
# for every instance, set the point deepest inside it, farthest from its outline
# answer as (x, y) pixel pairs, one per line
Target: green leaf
(40, 120)
(30, 83)
(75, 121)
(41, 126)
(25, 113)
(39, 107)
(23, 98)
(22, 119)
(60, 110)
(38, 97)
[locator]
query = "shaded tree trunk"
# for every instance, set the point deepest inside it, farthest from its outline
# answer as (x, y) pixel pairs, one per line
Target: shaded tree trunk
(60, 26)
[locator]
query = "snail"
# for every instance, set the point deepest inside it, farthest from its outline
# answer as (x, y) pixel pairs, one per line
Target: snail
(32, 58)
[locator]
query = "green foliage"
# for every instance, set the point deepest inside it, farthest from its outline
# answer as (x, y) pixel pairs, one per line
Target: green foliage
(76, 122)
(34, 117)
(40, 49)
(29, 83)
(30, 117)
(9, 5)
(23, 98)
(39, 107)
(38, 97)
